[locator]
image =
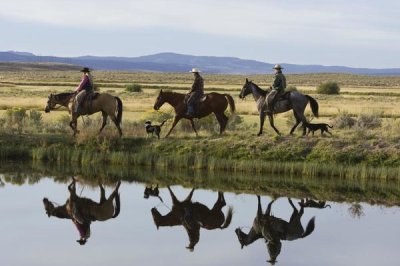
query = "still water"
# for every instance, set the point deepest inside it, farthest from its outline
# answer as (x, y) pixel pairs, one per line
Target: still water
(344, 234)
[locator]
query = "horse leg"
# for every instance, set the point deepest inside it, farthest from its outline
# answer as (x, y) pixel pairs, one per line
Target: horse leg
(222, 120)
(173, 197)
(271, 122)
(296, 124)
(114, 119)
(74, 124)
(268, 210)
(102, 194)
(193, 126)
(176, 120)
(104, 120)
(189, 197)
(262, 119)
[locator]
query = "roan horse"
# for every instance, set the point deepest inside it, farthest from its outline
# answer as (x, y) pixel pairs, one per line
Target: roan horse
(82, 211)
(274, 229)
(295, 101)
(105, 103)
(214, 103)
(193, 216)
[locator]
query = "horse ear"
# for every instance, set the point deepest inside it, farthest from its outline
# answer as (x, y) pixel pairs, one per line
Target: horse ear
(247, 81)
(161, 91)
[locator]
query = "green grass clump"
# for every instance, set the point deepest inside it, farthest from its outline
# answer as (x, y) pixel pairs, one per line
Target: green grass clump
(328, 88)
(133, 88)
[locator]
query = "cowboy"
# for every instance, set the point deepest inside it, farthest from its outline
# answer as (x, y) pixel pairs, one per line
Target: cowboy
(195, 94)
(277, 88)
(84, 88)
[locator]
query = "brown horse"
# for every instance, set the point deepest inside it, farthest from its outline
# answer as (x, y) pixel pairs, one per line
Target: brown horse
(214, 103)
(274, 229)
(108, 105)
(193, 216)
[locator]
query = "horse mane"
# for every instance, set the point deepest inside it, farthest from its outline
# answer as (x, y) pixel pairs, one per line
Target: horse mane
(63, 95)
(263, 92)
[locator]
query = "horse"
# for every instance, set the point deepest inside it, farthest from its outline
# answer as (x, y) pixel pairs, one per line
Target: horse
(108, 105)
(82, 211)
(193, 216)
(294, 100)
(214, 103)
(274, 229)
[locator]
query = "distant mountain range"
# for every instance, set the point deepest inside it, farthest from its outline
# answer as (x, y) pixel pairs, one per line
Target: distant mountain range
(171, 62)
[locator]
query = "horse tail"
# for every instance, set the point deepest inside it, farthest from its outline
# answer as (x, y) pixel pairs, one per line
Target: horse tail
(310, 227)
(314, 105)
(330, 126)
(117, 205)
(231, 102)
(228, 218)
(119, 110)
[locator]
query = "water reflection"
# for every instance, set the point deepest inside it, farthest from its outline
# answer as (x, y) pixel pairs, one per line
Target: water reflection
(82, 211)
(152, 191)
(274, 229)
(193, 216)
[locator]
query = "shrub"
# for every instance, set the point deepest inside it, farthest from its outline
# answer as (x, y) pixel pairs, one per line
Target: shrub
(134, 88)
(328, 88)
(35, 117)
(344, 120)
(16, 116)
(369, 121)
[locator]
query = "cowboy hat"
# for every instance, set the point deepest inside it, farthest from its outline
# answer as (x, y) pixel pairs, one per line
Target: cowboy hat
(277, 66)
(195, 70)
(85, 70)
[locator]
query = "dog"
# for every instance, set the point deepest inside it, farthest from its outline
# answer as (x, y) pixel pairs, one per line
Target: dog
(314, 127)
(150, 191)
(310, 203)
(153, 129)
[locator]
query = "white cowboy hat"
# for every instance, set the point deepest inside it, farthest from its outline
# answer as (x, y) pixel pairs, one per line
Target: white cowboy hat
(195, 70)
(277, 66)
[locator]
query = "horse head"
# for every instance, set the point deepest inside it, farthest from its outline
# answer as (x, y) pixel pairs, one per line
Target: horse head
(51, 103)
(246, 89)
(159, 101)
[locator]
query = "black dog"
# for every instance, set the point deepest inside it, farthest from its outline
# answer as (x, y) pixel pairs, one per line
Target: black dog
(314, 127)
(153, 129)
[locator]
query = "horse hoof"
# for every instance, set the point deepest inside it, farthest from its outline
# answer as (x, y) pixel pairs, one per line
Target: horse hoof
(259, 134)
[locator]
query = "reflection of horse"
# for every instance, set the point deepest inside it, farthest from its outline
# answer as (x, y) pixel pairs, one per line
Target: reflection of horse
(294, 101)
(214, 103)
(108, 105)
(310, 203)
(274, 229)
(82, 211)
(193, 216)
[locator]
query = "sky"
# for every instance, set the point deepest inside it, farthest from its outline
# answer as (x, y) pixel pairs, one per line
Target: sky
(357, 33)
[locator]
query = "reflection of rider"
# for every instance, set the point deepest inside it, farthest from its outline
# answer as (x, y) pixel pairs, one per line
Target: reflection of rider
(195, 94)
(277, 88)
(84, 88)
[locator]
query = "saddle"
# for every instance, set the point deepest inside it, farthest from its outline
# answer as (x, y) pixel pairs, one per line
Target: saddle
(89, 99)
(203, 98)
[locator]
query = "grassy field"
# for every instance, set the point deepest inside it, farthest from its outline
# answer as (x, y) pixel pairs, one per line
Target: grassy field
(372, 102)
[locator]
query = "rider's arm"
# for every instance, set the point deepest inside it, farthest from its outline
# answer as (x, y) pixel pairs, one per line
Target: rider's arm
(82, 84)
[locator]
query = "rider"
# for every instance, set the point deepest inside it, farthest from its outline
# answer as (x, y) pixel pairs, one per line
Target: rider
(84, 88)
(277, 88)
(195, 94)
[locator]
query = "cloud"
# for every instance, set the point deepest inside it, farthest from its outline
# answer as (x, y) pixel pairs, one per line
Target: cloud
(262, 19)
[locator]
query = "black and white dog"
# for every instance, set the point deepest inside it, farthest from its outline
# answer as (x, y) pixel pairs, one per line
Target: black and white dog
(153, 129)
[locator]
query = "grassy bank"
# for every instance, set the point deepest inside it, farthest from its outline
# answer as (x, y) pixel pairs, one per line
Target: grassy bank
(291, 156)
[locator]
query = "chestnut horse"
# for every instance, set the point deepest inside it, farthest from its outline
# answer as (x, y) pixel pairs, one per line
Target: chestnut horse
(108, 105)
(214, 103)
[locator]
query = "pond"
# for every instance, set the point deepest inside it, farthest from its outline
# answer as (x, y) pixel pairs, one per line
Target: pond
(345, 233)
